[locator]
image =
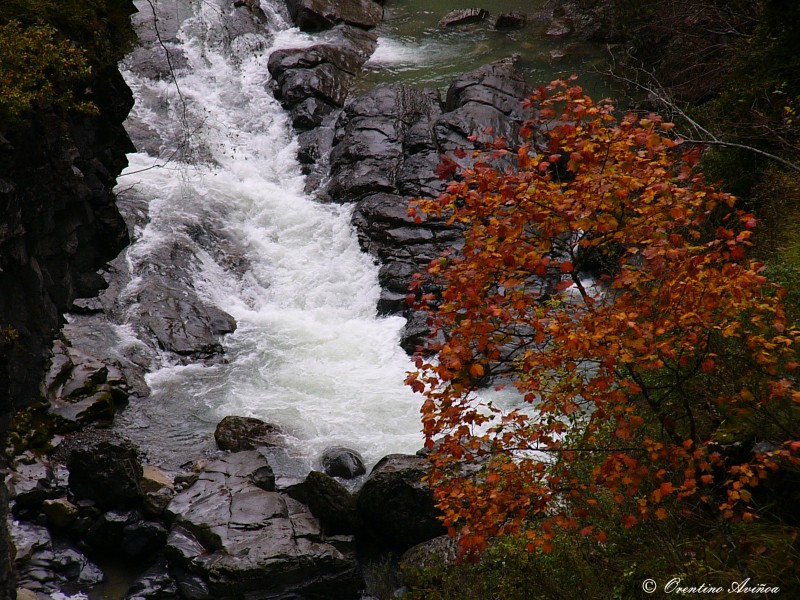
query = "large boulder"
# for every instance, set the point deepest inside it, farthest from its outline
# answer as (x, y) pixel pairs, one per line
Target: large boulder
(318, 15)
(105, 468)
(329, 501)
(396, 505)
(178, 320)
(338, 461)
(374, 134)
(313, 82)
(246, 433)
(235, 540)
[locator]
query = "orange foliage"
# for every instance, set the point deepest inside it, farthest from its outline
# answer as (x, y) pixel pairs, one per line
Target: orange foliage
(644, 371)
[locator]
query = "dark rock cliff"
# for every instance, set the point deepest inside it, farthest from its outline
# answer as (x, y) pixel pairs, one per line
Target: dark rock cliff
(58, 225)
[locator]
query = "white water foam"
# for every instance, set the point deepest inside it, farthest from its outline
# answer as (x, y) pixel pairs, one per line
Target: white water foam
(308, 354)
(407, 52)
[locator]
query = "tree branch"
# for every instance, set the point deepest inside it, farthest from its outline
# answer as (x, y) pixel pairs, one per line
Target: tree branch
(658, 94)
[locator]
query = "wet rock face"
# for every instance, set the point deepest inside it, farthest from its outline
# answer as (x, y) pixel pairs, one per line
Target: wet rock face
(379, 139)
(58, 224)
(82, 389)
(342, 462)
(246, 433)
(234, 539)
(313, 82)
(185, 326)
(45, 566)
(385, 148)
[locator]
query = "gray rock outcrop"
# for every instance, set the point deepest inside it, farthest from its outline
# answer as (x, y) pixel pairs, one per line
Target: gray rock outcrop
(386, 146)
(240, 540)
(314, 82)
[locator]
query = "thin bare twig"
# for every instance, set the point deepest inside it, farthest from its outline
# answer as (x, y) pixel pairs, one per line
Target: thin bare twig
(657, 93)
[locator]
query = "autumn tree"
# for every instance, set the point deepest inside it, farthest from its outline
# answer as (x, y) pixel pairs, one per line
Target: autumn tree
(663, 384)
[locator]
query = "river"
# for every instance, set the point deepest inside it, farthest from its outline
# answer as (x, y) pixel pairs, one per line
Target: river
(309, 353)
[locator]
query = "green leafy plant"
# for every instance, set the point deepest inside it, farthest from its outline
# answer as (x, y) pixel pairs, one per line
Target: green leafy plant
(37, 65)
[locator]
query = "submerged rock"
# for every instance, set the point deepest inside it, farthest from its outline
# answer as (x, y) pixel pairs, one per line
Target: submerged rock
(558, 28)
(463, 16)
(511, 20)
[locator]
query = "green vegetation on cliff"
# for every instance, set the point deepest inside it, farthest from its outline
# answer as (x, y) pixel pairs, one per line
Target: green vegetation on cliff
(49, 49)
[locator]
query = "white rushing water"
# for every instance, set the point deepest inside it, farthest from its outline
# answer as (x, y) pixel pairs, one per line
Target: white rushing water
(308, 354)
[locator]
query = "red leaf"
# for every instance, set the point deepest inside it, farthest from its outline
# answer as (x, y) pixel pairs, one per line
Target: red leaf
(446, 167)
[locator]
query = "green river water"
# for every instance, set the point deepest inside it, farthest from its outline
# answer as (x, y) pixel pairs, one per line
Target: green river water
(415, 50)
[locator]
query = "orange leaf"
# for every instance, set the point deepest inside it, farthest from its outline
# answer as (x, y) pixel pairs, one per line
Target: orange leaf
(476, 370)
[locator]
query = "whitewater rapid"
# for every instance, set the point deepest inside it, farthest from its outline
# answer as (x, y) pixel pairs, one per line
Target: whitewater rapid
(309, 353)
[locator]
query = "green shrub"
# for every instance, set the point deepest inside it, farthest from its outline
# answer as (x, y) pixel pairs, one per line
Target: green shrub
(50, 49)
(37, 66)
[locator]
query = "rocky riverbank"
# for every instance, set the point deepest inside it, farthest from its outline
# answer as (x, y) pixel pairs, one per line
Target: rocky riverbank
(224, 529)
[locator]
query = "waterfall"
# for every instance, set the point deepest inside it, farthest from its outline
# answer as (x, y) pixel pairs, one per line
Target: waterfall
(309, 353)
